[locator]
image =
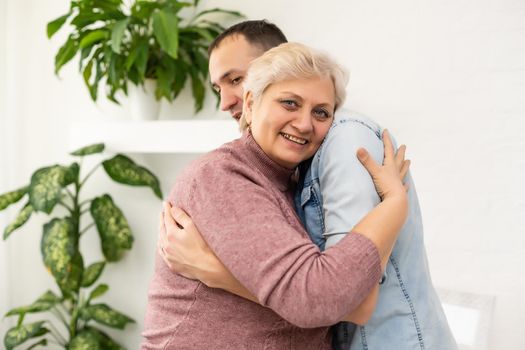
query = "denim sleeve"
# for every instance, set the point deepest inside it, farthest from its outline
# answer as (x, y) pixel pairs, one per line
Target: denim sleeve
(347, 189)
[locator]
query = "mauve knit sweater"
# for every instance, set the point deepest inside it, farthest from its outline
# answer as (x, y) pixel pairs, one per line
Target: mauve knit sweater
(241, 202)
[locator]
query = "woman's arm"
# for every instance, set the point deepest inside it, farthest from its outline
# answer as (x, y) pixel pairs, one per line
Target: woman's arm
(207, 269)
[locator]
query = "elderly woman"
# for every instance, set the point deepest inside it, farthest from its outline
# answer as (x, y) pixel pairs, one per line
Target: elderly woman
(241, 198)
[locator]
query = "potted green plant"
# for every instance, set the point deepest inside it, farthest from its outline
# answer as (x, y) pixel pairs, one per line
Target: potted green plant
(147, 43)
(75, 307)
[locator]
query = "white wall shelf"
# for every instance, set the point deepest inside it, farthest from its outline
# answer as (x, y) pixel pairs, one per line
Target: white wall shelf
(177, 136)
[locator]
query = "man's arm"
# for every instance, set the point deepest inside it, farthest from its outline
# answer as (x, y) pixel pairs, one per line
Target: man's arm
(348, 193)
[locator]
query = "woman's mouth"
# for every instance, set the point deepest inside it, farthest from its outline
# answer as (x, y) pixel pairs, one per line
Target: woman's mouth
(295, 139)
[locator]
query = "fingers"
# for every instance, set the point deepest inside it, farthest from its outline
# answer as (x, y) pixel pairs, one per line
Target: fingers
(180, 216)
(368, 162)
(404, 169)
(389, 148)
(400, 156)
(169, 220)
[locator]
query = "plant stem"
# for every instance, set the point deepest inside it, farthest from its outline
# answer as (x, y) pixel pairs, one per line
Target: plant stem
(56, 334)
(86, 228)
(84, 202)
(59, 315)
(89, 174)
(70, 194)
(66, 206)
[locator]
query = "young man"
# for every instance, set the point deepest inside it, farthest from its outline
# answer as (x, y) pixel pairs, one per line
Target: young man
(408, 314)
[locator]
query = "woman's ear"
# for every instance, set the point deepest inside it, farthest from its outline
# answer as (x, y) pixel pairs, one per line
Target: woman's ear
(248, 106)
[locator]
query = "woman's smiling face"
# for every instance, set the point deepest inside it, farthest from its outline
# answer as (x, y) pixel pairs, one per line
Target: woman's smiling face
(291, 118)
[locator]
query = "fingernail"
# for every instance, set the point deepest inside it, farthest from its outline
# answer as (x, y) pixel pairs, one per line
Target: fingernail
(361, 153)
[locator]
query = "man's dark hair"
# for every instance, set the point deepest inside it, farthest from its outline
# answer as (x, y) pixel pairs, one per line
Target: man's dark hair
(261, 33)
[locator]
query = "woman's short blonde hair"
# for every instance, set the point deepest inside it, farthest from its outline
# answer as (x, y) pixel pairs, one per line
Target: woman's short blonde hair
(292, 61)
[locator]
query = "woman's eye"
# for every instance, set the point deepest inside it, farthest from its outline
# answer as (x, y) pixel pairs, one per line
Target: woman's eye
(289, 103)
(322, 113)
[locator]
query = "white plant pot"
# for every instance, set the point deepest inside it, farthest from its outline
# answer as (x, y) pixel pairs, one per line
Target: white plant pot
(143, 105)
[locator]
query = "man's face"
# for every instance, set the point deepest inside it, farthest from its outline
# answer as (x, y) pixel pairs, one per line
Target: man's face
(229, 63)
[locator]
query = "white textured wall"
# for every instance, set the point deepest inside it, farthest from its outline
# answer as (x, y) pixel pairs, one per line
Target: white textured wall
(447, 78)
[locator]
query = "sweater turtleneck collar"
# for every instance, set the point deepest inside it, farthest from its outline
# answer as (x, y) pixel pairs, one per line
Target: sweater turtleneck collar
(275, 172)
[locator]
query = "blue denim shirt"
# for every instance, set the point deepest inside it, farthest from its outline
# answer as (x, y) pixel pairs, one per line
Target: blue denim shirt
(336, 192)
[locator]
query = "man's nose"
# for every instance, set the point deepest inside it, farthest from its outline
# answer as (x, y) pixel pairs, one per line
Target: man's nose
(228, 100)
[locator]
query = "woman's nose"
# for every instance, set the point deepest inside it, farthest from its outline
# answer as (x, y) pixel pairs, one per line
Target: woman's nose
(303, 122)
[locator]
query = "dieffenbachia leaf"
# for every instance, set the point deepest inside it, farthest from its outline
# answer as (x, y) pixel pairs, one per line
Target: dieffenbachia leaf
(123, 170)
(45, 302)
(39, 343)
(105, 315)
(101, 289)
(20, 220)
(19, 334)
(59, 248)
(166, 31)
(91, 338)
(12, 197)
(112, 226)
(92, 273)
(91, 149)
(47, 184)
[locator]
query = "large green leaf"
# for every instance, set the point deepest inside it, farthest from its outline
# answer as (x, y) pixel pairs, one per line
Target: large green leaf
(92, 273)
(45, 302)
(59, 248)
(94, 37)
(123, 170)
(112, 226)
(20, 220)
(18, 335)
(42, 342)
(105, 315)
(218, 10)
(12, 197)
(87, 150)
(56, 24)
(117, 34)
(166, 30)
(101, 289)
(66, 53)
(91, 338)
(47, 184)
(198, 88)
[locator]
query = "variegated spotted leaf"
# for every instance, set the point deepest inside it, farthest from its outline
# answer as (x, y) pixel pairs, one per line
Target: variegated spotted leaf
(125, 171)
(91, 149)
(20, 220)
(44, 303)
(103, 314)
(92, 273)
(47, 184)
(19, 334)
(98, 291)
(12, 197)
(112, 226)
(59, 248)
(42, 342)
(91, 338)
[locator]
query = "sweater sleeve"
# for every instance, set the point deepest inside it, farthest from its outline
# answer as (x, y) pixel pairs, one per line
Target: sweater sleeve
(246, 228)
